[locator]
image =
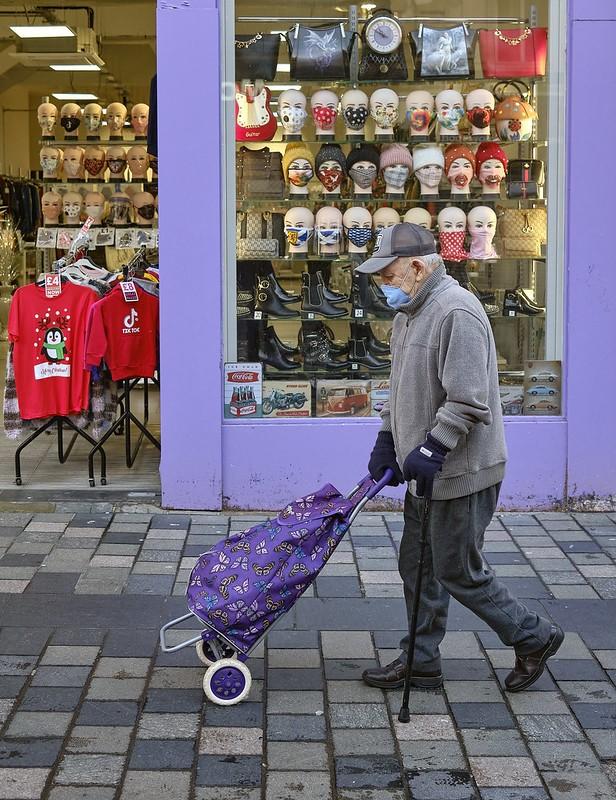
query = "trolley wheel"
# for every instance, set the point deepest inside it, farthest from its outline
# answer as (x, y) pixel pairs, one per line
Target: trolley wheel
(103, 481)
(91, 481)
(206, 655)
(18, 481)
(227, 682)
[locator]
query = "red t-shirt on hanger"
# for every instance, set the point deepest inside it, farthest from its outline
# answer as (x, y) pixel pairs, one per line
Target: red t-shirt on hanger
(48, 336)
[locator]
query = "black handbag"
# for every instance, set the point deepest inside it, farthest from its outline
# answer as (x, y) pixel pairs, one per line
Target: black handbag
(376, 66)
(443, 52)
(524, 177)
(322, 52)
(258, 174)
(256, 56)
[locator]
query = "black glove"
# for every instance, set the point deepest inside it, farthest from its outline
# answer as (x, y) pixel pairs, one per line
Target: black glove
(423, 463)
(382, 457)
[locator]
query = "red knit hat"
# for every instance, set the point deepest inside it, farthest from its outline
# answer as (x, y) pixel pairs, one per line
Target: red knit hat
(458, 151)
(487, 150)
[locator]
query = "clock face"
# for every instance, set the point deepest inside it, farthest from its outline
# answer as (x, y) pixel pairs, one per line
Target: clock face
(383, 35)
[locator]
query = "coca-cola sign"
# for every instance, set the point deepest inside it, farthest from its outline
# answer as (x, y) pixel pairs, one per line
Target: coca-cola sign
(242, 377)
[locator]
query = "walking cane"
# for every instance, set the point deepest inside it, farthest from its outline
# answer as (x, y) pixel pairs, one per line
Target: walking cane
(404, 714)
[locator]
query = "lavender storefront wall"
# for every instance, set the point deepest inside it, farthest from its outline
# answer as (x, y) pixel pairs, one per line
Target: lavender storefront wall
(207, 463)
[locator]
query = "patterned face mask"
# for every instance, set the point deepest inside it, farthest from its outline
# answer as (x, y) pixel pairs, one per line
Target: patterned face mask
(116, 165)
(300, 177)
(328, 235)
(419, 119)
(363, 176)
(385, 117)
(71, 209)
(298, 235)
(355, 117)
(330, 178)
(70, 124)
(452, 245)
(49, 163)
(324, 117)
(480, 117)
(94, 165)
(449, 118)
(359, 236)
(396, 175)
(147, 211)
(293, 119)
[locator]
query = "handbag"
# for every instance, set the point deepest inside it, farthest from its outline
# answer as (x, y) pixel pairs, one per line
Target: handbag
(259, 174)
(509, 53)
(522, 231)
(524, 177)
(322, 52)
(376, 66)
(443, 52)
(259, 234)
(256, 56)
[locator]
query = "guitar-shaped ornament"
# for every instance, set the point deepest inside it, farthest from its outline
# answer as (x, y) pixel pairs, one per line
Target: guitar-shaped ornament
(254, 121)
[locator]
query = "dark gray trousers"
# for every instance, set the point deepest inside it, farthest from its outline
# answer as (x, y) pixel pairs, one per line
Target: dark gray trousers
(454, 567)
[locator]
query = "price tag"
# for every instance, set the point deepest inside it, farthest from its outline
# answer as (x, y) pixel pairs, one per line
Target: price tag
(310, 315)
(258, 315)
(511, 313)
(53, 285)
(354, 366)
(129, 291)
(358, 312)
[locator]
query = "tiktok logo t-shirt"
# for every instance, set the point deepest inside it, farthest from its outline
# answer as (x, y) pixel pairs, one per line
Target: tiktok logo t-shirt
(48, 336)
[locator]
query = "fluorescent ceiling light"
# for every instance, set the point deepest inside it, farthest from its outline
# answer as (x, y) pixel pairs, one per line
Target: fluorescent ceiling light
(280, 87)
(75, 67)
(75, 96)
(42, 31)
(284, 68)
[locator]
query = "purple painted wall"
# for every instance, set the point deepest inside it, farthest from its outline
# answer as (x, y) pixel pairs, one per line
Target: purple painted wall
(207, 463)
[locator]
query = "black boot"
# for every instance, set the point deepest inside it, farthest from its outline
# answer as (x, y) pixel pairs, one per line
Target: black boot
(328, 294)
(359, 354)
(335, 348)
(517, 303)
(280, 293)
(270, 353)
(284, 348)
(313, 300)
(367, 296)
(316, 352)
(268, 302)
(486, 299)
(363, 330)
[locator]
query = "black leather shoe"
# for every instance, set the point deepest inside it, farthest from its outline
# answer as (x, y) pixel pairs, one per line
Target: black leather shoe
(529, 668)
(392, 677)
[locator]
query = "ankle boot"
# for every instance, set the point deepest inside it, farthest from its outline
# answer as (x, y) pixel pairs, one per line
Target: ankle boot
(284, 348)
(516, 301)
(316, 354)
(328, 294)
(487, 297)
(362, 330)
(268, 302)
(313, 300)
(280, 293)
(335, 348)
(270, 353)
(366, 295)
(359, 353)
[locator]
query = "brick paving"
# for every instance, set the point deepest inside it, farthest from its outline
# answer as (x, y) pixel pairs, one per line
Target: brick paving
(90, 709)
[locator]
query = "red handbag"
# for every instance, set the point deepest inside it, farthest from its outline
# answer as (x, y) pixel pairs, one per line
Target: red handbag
(511, 54)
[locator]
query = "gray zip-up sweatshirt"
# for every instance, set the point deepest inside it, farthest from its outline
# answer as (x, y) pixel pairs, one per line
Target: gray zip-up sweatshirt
(444, 381)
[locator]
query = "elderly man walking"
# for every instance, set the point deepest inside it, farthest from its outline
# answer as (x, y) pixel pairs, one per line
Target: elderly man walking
(442, 432)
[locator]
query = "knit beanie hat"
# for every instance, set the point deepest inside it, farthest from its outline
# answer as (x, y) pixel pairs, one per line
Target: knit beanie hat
(396, 154)
(487, 150)
(331, 152)
(296, 150)
(365, 152)
(458, 151)
(427, 155)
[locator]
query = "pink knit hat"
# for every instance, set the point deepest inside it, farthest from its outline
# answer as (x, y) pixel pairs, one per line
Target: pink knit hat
(395, 154)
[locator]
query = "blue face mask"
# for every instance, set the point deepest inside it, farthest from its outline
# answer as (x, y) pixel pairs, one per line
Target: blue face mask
(395, 296)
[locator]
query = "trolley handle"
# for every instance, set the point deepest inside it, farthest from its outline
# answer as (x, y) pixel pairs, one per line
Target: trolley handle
(372, 492)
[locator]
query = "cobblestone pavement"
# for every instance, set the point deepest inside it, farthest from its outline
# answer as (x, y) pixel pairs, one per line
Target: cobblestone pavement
(91, 710)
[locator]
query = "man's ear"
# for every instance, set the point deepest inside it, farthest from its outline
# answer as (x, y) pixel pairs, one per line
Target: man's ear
(417, 265)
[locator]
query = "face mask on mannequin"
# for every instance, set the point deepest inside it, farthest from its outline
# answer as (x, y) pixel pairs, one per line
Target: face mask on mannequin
(119, 207)
(70, 124)
(300, 177)
(419, 119)
(324, 117)
(328, 235)
(385, 117)
(93, 211)
(147, 211)
(330, 177)
(116, 165)
(449, 118)
(94, 165)
(72, 210)
(396, 175)
(49, 163)
(293, 119)
(359, 236)
(363, 176)
(298, 235)
(480, 117)
(355, 117)
(452, 245)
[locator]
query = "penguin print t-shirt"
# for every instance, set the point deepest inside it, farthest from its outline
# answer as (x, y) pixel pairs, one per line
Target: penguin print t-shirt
(48, 336)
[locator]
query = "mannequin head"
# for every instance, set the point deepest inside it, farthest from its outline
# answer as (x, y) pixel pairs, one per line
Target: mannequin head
(324, 107)
(355, 112)
(73, 162)
(139, 118)
(491, 166)
(514, 119)
(94, 161)
(396, 165)
(449, 111)
(428, 163)
(385, 217)
(481, 223)
(330, 164)
(116, 117)
(145, 208)
(459, 168)
(70, 117)
(47, 115)
(384, 111)
(362, 166)
(116, 161)
(51, 205)
(299, 227)
(328, 230)
(419, 216)
(138, 161)
(51, 162)
(72, 203)
(95, 206)
(480, 111)
(419, 113)
(92, 118)
(292, 112)
(452, 231)
(357, 223)
(119, 205)
(297, 167)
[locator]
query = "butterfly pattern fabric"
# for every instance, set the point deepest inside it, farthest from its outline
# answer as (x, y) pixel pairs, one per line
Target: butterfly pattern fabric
(246, 581)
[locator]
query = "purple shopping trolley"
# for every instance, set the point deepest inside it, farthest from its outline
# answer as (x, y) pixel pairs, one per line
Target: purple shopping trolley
(239, 588)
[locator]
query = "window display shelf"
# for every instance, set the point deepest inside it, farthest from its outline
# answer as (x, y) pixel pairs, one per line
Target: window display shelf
(61, 183)
(307, 316)
(353, 259)
(290, 202)
(91, 142)
(467, 140)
